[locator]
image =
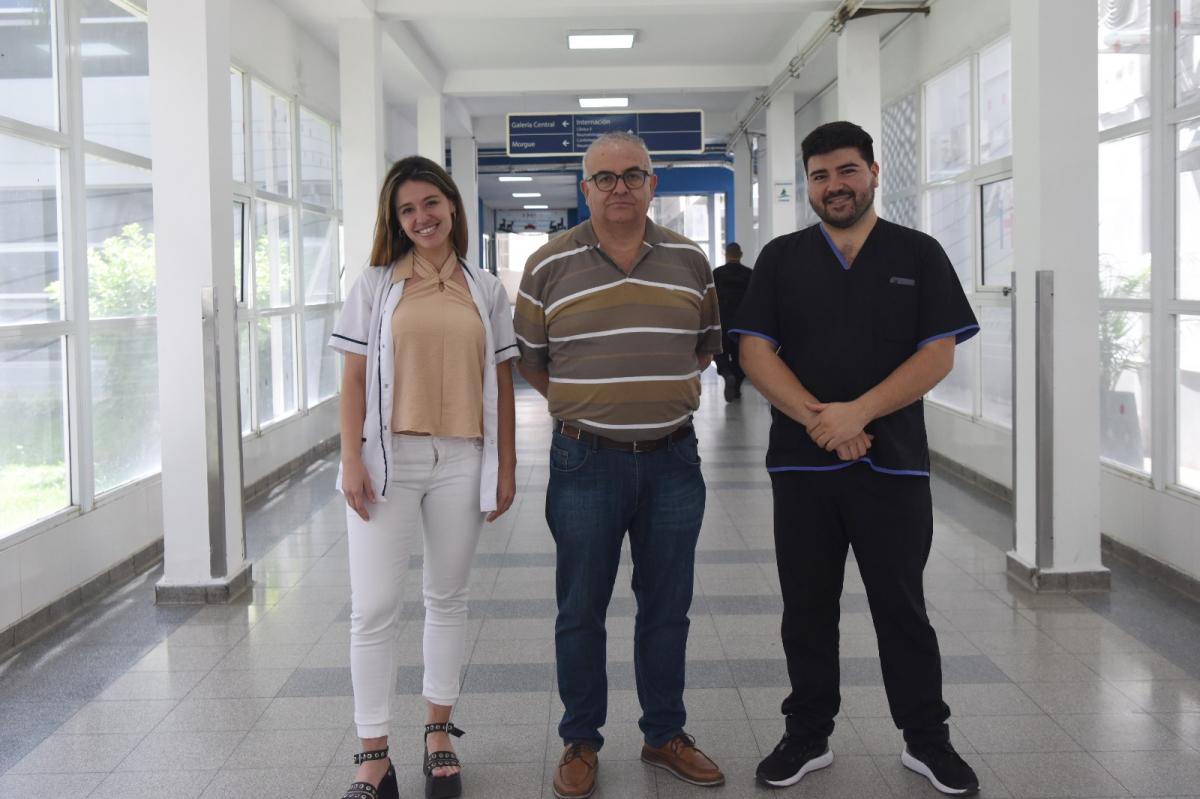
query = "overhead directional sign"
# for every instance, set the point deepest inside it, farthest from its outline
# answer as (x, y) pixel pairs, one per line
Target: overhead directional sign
(570, 134)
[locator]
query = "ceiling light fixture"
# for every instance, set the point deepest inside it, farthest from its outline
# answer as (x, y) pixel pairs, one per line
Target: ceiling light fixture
(600, 40)
(603, 102)
(536, 207)
(514, 179)
(527, 194)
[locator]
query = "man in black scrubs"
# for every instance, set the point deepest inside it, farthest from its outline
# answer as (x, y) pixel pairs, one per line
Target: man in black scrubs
(730, 281)
(845, 326)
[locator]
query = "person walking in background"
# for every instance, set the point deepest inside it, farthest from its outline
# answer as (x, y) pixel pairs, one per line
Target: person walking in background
(731, 279)
(427, 425)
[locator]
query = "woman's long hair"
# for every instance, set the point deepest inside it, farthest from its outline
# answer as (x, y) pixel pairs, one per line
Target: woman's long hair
(391, 243)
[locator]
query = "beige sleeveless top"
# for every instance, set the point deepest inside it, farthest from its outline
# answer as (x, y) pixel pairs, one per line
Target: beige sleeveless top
(438, 341)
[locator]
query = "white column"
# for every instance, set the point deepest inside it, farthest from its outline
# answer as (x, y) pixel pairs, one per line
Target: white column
(360, 74)
(431, 141)
(190, 118)
(777, 190)
(858, 90)
(1054, 110)
(743, 212)
(464, 161)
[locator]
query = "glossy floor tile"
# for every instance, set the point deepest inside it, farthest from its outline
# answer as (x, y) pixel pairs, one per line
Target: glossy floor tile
(1052, 696)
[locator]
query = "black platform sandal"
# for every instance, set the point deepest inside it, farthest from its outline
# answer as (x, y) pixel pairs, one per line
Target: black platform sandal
(449, 786)
(387, 786)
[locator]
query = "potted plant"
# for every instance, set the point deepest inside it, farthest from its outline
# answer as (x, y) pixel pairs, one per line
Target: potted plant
(1120, 352)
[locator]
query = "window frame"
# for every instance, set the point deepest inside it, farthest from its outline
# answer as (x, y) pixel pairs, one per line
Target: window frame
(975, 176)
(248, 313)
(75, 325)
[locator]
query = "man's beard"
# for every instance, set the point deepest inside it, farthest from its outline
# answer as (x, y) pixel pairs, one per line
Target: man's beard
(859, 206)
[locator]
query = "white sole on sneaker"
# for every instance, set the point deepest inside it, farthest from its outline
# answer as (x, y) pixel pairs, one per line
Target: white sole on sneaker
(809, 767)
(912, 764)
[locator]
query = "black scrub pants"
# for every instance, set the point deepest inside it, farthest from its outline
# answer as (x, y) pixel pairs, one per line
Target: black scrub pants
(888, 520)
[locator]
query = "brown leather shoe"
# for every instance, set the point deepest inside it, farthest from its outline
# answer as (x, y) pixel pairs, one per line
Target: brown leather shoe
(575, 776)
(681, 757)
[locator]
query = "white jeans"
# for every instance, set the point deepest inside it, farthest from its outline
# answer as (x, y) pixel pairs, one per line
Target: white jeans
(434, 481)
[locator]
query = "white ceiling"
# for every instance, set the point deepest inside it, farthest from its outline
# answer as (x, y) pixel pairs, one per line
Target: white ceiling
(557, 190)
(492, 57)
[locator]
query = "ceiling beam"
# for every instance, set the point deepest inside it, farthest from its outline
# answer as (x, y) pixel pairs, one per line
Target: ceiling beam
(780, 60)
(556, 9)
(691, 77)
(458, 117)
(415, 56)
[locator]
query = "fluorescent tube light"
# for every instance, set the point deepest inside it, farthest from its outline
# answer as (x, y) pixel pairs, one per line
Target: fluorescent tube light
(600, 40)
(536, 207)
(514, 179)
(603, 102)
(527, 194)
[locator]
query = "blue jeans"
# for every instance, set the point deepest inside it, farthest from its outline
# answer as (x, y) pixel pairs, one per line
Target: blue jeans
(595, 496)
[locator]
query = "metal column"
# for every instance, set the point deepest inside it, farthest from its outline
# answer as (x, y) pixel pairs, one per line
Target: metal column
(1043, 412)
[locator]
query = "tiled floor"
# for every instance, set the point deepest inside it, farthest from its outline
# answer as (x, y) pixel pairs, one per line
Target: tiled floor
(1053, 696)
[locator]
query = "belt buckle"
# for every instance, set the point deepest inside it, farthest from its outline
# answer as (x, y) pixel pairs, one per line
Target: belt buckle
(638, 446)
(562, 428)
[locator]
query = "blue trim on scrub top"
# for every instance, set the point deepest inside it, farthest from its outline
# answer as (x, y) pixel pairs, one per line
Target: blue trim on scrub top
(737, 331)
(841, 258)
(960, 335)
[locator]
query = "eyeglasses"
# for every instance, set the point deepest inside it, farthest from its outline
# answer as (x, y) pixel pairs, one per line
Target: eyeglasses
(632, 178)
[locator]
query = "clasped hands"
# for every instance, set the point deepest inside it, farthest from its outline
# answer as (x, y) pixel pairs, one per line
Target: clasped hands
(838, 427)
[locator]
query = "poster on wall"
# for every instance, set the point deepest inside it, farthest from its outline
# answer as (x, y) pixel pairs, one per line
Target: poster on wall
(537, 221)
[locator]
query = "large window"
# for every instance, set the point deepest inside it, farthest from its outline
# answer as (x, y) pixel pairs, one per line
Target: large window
(948, 123)
(271, 121)
(996, 252)
(77, 271)
(1124, 61)
(33, 434)
(115, 62)
(1149, 242)
(700, 217)
(995, 102)
(31, 256)
(286, 259)
(79, 406)
(1188, 340)
(947, 169)
(900, 174)
(29, 68)
(1187, 53)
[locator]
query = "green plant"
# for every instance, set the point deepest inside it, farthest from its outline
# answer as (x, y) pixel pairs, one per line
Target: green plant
(121, 282)
(1119, 352)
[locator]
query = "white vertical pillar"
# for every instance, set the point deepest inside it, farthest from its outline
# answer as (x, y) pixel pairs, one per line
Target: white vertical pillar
(464, 168)
(360, 75)
(777, 192)
(431, 141)
(743, 212)
(1054, 110)
(858, 89)
(193, 188)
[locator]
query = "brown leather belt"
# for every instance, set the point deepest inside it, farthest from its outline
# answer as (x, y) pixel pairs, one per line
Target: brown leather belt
(571, 431)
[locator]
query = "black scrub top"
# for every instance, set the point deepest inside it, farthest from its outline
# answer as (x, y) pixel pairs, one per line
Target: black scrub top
(843, 329)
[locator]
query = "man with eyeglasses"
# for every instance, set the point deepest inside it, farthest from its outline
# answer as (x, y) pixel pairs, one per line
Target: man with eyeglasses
(616, 319)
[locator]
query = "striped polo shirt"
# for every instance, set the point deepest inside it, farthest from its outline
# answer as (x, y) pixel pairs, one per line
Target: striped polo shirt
(620, 349)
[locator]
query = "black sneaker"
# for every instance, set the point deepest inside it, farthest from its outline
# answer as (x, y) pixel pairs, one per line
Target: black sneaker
(941, 765)
(792, 758)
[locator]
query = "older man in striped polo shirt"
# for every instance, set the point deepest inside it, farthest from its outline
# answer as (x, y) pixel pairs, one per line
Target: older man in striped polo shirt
(616, 319)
